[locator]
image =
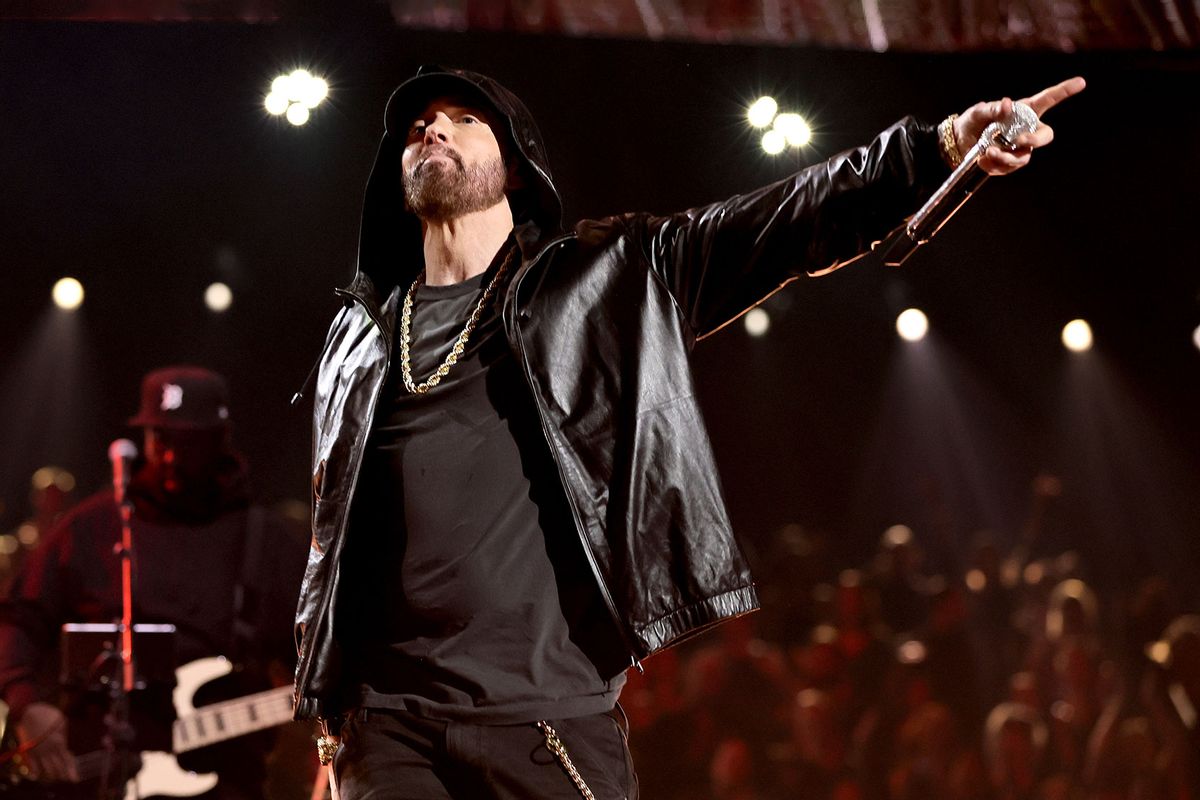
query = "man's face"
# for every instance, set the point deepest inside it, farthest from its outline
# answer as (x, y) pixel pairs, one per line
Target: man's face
(452, 161)
(181, 459)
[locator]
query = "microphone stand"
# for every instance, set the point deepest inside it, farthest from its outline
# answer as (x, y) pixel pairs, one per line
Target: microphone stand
(120, 735)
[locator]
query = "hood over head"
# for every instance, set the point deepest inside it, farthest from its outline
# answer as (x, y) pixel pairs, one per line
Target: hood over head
(390, 241)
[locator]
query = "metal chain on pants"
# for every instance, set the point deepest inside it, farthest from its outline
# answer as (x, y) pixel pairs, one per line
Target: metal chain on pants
(555, 745)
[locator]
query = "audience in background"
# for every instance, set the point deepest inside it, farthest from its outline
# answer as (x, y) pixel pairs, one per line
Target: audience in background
(1005, 678)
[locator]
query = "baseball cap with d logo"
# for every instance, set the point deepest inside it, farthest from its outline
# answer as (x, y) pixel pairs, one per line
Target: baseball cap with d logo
(183, 397)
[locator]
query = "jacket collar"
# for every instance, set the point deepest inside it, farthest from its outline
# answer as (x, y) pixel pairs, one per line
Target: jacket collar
(530, 239)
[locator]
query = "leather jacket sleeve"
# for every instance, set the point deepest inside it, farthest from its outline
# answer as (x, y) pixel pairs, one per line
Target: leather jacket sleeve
(720, 260)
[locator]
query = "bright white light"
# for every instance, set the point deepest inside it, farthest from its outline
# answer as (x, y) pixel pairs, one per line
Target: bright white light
(1196, 337)
(298, 83)
(912, 325)
(313, 92)
(218, 297)
(67, 294)
(773, 142)
(757, 322)
(1077, 336)
(294, 94)
(762, 111)
(794, 128)
(276, 102)
(297, 114)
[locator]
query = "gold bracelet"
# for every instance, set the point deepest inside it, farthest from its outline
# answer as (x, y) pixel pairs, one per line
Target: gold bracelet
(947, 143)
(326, 747)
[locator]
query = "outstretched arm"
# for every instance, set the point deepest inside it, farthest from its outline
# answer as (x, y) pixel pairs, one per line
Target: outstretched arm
(720, 260)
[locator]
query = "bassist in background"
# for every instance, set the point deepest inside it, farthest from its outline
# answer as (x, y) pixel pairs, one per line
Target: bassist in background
(222, 571)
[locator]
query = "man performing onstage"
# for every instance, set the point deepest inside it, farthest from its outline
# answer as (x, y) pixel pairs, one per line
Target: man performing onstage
(221, 570)
(515, 496)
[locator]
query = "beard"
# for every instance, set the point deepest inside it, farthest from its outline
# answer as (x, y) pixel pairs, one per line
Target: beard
(441, 191)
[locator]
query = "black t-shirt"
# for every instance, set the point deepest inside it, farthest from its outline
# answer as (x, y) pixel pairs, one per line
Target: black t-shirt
(466, 590)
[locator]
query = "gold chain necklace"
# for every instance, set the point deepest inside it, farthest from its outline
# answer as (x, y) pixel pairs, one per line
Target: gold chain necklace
(460, 345)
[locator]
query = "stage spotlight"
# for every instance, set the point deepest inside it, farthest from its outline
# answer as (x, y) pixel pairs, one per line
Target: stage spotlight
(297, 80)
(67, 294)
(1196, 337)
(774, 142)
(295, 94)
(912, 325)
(313, 92)
(218, 297)
(794, 128)
(297, 114)
(788, 129)
(1077, 336)
(757, 322)
(762, 111)
(277, 103)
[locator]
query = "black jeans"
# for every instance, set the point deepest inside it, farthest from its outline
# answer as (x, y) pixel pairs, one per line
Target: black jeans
(393, 755)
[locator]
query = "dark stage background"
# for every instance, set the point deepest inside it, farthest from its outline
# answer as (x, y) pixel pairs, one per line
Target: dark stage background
(139, 159)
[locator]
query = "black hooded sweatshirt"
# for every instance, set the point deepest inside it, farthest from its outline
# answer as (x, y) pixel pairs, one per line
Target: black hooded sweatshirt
(466, 594)
(602, 320)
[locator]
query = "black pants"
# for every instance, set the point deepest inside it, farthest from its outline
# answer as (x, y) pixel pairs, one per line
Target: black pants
(392, 755)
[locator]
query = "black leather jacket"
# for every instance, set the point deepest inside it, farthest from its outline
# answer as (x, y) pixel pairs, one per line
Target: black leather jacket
(602, 319)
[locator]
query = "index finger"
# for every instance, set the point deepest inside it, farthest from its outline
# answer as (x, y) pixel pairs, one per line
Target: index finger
(1047, 99)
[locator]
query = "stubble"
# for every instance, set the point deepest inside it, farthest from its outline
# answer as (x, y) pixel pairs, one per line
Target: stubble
(439, 190)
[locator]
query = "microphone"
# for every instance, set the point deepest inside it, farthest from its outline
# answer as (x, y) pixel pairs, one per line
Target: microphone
(958, 188)
(121, 454)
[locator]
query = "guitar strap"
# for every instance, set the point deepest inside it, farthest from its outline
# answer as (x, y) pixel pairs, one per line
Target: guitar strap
(245, 595)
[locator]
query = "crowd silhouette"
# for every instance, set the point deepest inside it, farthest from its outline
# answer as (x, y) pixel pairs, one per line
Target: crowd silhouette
(1002, 678)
